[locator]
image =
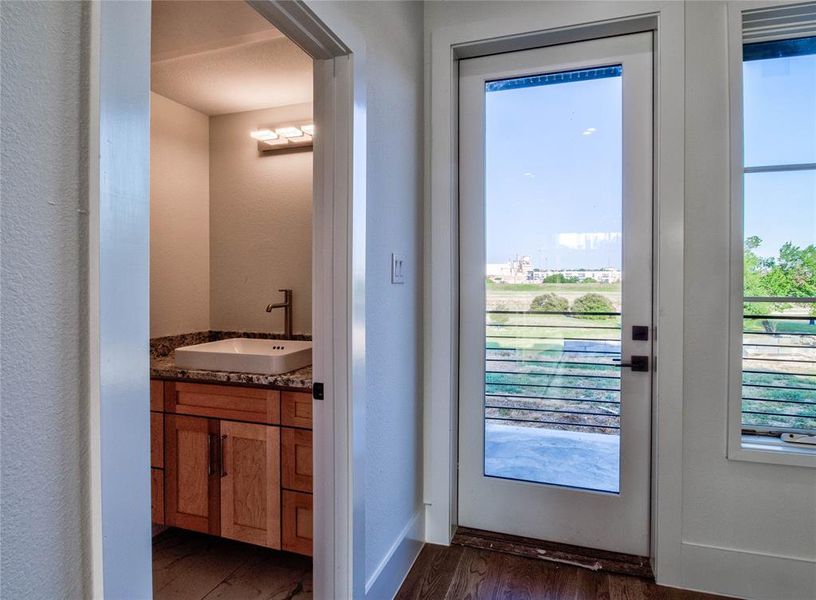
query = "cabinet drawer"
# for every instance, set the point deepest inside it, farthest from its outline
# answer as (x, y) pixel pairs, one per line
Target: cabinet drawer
(297, 522)
(157, 440)
(156, 394)
(296, 454)
(157, 496)
(296, 409)
(223, 402)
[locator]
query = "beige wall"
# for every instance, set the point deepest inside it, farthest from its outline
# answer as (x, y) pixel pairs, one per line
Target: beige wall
(260, 224)
(179, 218)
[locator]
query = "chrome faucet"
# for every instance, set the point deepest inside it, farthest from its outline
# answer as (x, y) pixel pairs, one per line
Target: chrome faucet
(286, 305)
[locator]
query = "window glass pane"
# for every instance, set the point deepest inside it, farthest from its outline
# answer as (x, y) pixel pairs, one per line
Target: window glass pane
(554, 151)
(780, 210)
(779, 103)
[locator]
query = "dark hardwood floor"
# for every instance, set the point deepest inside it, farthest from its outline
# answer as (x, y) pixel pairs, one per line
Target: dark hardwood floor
(194, 566)
(464, 573)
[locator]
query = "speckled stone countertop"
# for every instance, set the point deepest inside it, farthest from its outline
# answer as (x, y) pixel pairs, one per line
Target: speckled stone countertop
(163, 365)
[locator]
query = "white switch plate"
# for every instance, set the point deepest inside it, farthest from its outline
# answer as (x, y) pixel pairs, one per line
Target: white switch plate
(397, 269)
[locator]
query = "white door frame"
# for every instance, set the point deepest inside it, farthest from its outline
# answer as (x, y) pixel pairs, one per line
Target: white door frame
(118, 489)
(557, 22)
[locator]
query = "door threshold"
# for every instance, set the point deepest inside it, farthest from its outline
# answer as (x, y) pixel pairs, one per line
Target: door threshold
(587, 558)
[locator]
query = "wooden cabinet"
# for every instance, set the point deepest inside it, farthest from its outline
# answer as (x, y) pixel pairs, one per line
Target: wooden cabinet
(297, 522)
(229, 469)
(250, 483)
(296, 459)
(157, 496)
(191, 485)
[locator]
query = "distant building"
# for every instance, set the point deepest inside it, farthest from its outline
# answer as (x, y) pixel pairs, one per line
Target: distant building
(521, 270)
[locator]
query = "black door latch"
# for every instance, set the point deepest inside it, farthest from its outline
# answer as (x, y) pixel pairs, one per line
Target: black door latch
(317, 390)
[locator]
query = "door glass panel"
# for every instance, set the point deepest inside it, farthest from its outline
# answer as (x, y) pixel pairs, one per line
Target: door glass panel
(553, 192)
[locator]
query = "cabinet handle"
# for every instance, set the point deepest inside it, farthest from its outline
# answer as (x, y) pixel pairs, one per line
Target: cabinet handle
(221, 455)
(210, 467)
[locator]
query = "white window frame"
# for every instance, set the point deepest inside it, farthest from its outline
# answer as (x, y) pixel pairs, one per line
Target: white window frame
(744, 447)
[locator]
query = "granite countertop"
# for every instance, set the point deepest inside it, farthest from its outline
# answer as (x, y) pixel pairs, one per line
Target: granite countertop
(163, 366)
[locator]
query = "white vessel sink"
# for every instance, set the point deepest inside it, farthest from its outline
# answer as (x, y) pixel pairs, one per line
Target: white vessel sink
(245, 355)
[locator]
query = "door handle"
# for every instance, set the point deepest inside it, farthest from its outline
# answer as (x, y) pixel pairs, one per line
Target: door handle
(221, 456)
(210, 457)
(639, 364)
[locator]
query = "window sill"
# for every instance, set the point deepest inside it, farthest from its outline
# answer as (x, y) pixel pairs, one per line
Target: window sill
(773, 451)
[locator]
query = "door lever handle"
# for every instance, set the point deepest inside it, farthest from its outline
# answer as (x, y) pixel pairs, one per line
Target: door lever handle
(639, 364)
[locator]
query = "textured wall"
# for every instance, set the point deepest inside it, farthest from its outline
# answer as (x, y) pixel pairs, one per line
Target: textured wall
(179, 218)
(260, 224)
(43, 304)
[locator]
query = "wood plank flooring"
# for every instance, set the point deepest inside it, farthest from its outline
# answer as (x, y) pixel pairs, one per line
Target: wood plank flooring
(195, 566)
(464, 573)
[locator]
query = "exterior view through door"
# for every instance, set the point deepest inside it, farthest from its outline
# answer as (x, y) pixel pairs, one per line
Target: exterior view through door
(555, 183)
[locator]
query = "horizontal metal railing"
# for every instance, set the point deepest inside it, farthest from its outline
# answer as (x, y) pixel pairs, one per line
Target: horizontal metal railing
(553, 370)
(536, 377)
(779, 372)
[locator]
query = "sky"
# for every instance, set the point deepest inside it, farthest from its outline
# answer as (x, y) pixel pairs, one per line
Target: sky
(554, 156)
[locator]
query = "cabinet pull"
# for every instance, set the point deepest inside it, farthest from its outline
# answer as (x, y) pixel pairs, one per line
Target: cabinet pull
(221, 455)
(210, 467)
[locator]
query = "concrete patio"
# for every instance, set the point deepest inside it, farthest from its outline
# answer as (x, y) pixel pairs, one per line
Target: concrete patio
(569, 458)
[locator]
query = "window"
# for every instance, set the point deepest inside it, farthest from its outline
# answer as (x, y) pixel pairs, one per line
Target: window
(777, 384)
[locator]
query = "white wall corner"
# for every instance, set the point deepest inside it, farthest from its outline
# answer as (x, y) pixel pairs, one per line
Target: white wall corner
(387, 578)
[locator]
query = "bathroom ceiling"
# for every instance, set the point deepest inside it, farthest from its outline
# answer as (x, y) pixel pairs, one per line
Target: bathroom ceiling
(221, 57)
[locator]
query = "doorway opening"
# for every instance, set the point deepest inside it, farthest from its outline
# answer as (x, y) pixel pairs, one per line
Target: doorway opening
(232, 227)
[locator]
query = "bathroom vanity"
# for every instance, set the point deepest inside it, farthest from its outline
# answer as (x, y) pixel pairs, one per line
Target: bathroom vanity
(233, 459)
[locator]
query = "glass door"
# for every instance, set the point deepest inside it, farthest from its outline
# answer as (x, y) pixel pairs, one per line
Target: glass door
(555, 293)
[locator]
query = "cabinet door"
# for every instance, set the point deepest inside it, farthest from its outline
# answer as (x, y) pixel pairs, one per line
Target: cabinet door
(296, 456)
(250, 483)
(191, 483)
(296, 409)
(297, 522)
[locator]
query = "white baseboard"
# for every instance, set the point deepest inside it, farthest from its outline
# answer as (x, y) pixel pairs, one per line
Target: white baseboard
(387, 578)
(745, 574)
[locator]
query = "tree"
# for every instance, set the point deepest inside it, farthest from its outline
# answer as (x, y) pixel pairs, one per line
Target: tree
(549, 303)
(792, 273)
(592, 303)
(559, 278)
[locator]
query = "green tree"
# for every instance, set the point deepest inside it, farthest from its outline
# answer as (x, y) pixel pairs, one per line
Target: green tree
(792, 273)
(592, 303)
(549, 303)
(559, 278)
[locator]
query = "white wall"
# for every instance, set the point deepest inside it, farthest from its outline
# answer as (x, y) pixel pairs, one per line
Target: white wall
(44, 524)
(744, 516)
(747, 529)
(392, 34)
(179, 218)
(260, 224)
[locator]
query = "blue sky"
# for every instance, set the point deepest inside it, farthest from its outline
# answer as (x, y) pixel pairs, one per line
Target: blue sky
(553, 157)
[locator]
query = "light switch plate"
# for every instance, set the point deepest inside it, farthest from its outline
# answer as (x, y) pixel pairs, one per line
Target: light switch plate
(397, 269)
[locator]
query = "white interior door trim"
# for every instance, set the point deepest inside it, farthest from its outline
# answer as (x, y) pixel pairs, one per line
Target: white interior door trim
(441, 302)
(119, 483)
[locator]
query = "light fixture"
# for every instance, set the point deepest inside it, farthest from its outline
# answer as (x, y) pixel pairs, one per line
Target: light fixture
(282, 137)
(289, 132)
(264, 135)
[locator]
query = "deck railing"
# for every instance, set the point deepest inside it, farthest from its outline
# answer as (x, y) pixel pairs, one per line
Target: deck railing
(779, 373)
(558, 370)
(553, 369)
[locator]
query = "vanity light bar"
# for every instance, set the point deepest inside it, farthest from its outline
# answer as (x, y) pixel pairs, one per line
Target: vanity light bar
(284, 136)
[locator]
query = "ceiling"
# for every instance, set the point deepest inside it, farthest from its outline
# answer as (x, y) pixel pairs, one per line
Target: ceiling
(221, 57)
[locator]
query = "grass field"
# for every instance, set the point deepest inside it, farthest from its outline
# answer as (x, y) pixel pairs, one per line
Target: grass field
(558, 370)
